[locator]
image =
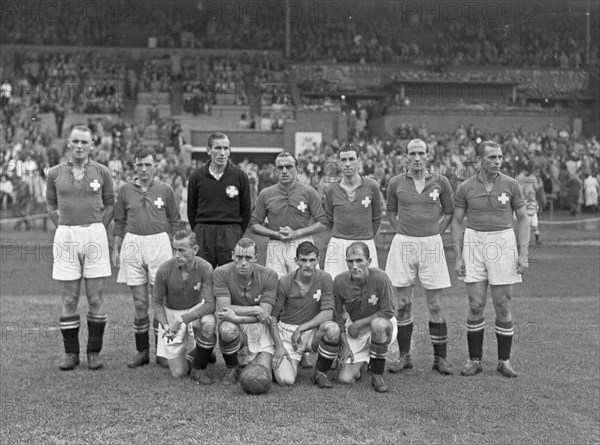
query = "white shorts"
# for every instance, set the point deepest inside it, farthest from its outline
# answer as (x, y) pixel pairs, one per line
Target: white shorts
(491, 256)
(183, 342)
(257, 337)
(335, 259)
(281, 256)
(360, 345)
(412, 256)
(80, 251)
(141, 256)
(306, 339)
(533, 220)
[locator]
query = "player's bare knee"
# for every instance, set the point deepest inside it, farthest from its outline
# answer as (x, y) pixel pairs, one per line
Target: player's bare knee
(179, 373)
(228, 332)
(331, 331)
(345, 377)
(379, 329)
(208, 327)
(285, 378)
(141, 306)
(435, 308)
(95, 303)
(476, 307)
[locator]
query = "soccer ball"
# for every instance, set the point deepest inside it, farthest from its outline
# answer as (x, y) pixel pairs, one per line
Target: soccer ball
(255, 379)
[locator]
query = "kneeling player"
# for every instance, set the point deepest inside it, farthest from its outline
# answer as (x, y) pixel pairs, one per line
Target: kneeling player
(302, 319)
(184, 306)
(245, 294)
(366, 295)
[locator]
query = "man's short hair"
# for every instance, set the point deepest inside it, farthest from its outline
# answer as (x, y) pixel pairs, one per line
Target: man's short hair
(81, 127)
(359, 246)
(349, 146)
(144, 152)
(484, 145)
(285, 154)
(417, 142)
(306, 248)
(186, 234)
(215, 137)
(245, 243)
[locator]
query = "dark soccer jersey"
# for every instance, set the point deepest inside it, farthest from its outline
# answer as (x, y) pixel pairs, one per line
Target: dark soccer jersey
(146, 212)
(172, 291)
(294, 308)
(419, 213)
(82, 201)
(361, 301)
(358, 219)
(219, 201)
(262, 287)
(293, 207)
(489, 212)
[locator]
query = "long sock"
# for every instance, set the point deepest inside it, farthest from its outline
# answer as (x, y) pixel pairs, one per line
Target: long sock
(378, 353)
(439, 338)
(141, 326)
(504, 335)
(475, 338)
(96, 324)
(405, 331)
(69, 327)
(204, 350)
(229, 351)
(327, 354)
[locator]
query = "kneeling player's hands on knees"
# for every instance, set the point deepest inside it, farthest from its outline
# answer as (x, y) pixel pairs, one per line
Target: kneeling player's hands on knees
(345, 354)
(278, 356)
(296, 338)
(263, 316)
(227, 314)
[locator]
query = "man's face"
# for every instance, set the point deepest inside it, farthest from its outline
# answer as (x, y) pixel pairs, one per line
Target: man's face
(358, 264)
(416, 157)
(349, 163)
(286, 169)
(80, 144)
(307, 264)
(184, 252)
(244, 259)
(219, 152)
(145, 167)
(491, 161)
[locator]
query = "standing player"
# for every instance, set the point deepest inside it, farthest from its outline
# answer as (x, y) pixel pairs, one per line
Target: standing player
(353, 210)
(490, 253)
(184, 306)
(289, 208)
(145, 213)
(245, 293)
(218, 203)
(365, 294)
(301, 319)
(414, 201)
(80, 201)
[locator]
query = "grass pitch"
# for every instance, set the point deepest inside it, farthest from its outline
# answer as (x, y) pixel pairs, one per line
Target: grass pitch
(555, 399)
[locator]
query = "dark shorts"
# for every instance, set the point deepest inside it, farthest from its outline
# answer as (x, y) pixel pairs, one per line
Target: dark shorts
(217, 241)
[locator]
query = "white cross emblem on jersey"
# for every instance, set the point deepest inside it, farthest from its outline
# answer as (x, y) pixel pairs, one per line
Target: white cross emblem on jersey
(302, 207)
(503, 198)
(366, 202)
(257, 299)
(434, 195)
(197, 286)
(317, 295)
(232, 191)
(373, 300)
(95, 185)
(159, 203)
